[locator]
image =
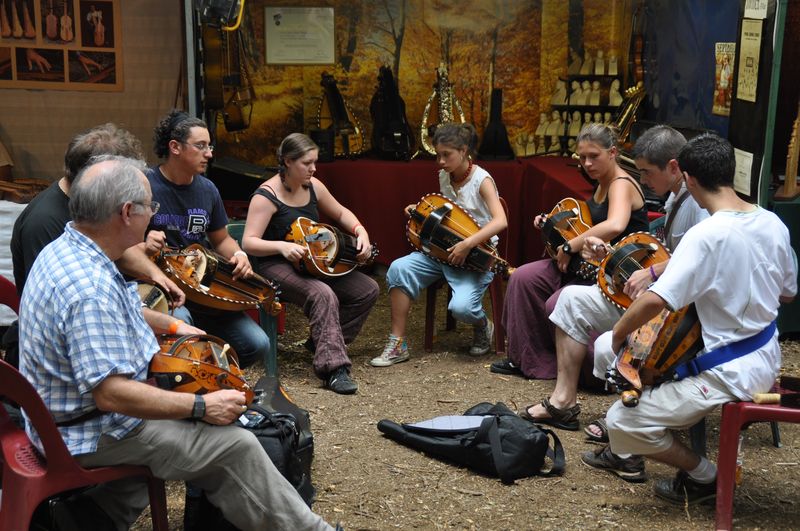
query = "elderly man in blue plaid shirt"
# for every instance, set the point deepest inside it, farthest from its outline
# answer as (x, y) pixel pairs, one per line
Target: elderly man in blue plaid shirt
(86, 346)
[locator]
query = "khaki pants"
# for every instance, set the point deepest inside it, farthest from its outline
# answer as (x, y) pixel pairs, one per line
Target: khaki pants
(227, 462)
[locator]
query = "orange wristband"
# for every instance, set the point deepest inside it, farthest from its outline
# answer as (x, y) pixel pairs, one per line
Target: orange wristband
(173, 326)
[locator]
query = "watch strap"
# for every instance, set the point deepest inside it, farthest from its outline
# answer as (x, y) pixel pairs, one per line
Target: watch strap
(199, 408)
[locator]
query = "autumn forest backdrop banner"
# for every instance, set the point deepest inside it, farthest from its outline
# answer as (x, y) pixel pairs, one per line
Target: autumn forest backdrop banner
(520, 46)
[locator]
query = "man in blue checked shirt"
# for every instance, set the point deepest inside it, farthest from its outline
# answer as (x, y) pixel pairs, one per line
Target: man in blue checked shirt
(86, 346)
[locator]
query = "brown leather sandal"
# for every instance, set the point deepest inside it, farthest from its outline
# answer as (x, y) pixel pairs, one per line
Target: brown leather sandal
(563, 419)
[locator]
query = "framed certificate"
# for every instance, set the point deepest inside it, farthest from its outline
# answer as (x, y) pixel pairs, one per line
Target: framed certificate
(299, 35)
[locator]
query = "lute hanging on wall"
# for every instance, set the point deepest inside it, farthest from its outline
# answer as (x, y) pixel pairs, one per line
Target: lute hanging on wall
(447, 108)
(334, 113)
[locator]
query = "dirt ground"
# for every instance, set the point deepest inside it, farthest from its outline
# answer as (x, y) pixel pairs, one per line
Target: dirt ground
(368, 482)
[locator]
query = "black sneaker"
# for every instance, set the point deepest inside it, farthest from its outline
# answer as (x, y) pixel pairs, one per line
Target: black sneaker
(310, 346)
(684, 490)
(339, 381)
(505, 367)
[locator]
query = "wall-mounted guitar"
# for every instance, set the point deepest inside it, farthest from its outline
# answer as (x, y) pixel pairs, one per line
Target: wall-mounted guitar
(447, 107)
(228, 90)
(334, 112)
(392, 135)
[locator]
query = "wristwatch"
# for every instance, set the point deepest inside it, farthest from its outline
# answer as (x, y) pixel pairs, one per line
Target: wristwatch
(199, 408)
(566, 248)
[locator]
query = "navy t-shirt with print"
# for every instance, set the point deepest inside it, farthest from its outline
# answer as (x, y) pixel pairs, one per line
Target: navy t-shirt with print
(187, 211)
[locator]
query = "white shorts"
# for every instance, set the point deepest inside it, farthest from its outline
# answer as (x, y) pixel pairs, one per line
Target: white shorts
(581, 310)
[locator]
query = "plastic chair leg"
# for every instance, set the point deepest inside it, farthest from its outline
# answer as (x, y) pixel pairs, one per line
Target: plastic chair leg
(726, 464)
(158, 506)
(496, 296)
(776, 434)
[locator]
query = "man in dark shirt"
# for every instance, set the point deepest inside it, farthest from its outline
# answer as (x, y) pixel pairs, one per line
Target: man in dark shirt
(44, 218)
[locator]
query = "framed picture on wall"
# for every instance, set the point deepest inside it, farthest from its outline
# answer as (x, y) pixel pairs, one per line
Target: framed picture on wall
(60, 45)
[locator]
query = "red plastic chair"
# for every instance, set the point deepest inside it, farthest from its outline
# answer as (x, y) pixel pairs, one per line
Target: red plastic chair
(496, 291)
(735, 416)
(29, 478)
(8, 294)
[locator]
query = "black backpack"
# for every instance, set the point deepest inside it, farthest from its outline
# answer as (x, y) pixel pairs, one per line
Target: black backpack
(284, 431)
(502, 445)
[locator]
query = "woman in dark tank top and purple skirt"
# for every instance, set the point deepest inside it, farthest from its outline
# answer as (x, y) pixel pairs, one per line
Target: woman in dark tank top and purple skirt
(617, 207)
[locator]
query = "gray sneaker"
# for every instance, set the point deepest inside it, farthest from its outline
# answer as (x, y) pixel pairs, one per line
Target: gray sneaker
(395, 351)
(482, 339)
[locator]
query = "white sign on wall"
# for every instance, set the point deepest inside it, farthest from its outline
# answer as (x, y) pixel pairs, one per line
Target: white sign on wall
(299, 35)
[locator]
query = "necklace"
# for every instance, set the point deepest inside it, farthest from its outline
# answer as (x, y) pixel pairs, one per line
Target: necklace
(463, 178)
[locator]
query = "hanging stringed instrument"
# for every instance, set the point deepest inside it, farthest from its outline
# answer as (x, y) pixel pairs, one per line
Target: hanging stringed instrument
(27, 23)
(638, 250)
(238, 92)
(438, 223)
(568, 219)
(95, 18)
(5, 26)
(392, 135)
(627, 114)
(654, 350)
(329, 251)
(334, 112)
(447, 107)
(207, 279)
(51, 23)
(16, 26)
(66, 33)
(197, 364)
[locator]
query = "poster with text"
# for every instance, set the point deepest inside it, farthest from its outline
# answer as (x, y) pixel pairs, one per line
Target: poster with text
(748, 60)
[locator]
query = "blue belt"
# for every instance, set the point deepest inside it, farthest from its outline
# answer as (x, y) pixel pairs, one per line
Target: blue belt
(721, 355)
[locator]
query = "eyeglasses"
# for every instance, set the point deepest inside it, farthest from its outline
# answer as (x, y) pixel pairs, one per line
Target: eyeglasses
(201, 147)
(152, 205)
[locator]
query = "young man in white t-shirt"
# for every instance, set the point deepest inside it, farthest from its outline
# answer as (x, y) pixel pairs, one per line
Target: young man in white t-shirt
(737, 267)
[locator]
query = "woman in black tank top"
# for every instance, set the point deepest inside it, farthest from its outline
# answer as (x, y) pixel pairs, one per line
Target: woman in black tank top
(336, 307)
(617, 207)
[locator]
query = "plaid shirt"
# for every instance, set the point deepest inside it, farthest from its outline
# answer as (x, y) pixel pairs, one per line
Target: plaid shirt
(79, 323)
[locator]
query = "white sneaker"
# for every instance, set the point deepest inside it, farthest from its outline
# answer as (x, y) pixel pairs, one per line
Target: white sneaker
(395, 351)
(482, 339)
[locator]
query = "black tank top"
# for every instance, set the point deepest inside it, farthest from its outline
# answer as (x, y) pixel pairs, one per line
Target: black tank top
(637, 223)
(282, 219)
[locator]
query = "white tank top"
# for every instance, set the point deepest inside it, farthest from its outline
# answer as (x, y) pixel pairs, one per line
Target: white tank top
(469, 197)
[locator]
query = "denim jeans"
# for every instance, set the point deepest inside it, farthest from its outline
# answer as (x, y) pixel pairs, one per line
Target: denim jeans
(414, 272)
